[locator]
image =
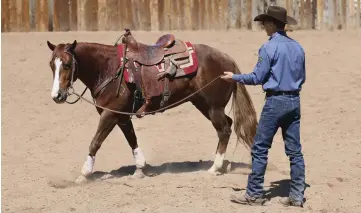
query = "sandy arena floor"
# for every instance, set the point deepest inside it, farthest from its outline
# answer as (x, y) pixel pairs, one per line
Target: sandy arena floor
(44, 144)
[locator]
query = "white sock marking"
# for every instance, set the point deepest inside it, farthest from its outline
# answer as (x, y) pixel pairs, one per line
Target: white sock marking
(56, 83)
(218, 161)
(139, 157)
(88, 165)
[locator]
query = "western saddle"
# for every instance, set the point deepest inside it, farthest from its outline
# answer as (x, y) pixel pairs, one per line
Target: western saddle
(142, 61)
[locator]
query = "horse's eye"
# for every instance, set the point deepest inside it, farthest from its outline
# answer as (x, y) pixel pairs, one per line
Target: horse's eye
(66, 66)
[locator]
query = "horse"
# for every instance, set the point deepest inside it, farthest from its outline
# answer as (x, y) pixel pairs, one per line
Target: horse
(94, 63)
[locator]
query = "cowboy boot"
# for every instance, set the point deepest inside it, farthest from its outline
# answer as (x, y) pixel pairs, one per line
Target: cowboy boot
(245, 199)
(290, 202)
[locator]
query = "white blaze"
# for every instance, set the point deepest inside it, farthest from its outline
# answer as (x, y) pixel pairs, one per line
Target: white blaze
(56, 83)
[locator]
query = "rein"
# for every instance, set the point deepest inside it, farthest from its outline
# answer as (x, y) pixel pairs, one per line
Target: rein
(152, 112)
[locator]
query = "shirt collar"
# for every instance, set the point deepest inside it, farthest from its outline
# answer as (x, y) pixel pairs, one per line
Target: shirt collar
(278, 33)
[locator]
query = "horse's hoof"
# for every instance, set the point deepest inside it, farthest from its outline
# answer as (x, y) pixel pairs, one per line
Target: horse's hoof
(85, 172)
(229, 168)
(138, 174)
(214, 171)
(81, 179)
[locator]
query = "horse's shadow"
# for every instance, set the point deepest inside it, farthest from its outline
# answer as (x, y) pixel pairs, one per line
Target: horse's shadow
(171, 167)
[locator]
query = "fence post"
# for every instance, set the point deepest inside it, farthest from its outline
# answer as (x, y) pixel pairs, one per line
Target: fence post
(335, 15)
(87, 15)
(73, 15)
(61, 15)
(5, 16)
(320, 8)
(249, 20)
(234, 14)
(302, 15)
(154, 15)
(289, 7)
(257, 8)
(358, 14)
(10, 17)
(108, 15)
(343, 13)
(25, 16)
(175, 15)
(195, 19)
(41, 15)
(207, 14)
(126, 14)
(308, 14)
(281, 3)
(296, 13)
(141, 14)
(102, 15)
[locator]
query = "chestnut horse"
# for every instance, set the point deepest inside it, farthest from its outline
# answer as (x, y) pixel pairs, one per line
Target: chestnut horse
(92, 63)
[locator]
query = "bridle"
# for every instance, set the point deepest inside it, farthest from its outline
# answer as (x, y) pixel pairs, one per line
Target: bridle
(74, 68)
(70, 90)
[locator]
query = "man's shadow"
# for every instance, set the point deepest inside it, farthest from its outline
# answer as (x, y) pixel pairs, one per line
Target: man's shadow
(171, 167)
(280, 188)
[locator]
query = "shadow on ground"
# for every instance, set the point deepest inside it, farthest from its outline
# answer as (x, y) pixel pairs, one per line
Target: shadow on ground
(280, 188)
(171, 167)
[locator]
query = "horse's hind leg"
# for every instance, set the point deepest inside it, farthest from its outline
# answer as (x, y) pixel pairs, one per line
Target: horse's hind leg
(106, 124)
(128, 131)
(222, 123)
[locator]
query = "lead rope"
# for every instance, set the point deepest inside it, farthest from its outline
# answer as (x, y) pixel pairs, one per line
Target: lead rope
(147, 113)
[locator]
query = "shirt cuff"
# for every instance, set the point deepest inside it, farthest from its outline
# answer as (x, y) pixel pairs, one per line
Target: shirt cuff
(237, 77)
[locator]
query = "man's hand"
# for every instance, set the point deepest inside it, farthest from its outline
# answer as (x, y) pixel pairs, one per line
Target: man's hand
(227, 76)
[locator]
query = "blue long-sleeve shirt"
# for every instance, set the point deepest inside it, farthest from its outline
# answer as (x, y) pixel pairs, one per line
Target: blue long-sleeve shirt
(280, 66)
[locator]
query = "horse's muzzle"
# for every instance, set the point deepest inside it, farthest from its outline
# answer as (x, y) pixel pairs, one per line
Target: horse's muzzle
(61, 97)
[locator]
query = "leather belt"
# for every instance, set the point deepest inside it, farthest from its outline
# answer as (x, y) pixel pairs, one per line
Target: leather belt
(275, 93)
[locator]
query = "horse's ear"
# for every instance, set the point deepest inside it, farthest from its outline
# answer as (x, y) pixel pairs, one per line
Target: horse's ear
(50, 45)
(73, 45)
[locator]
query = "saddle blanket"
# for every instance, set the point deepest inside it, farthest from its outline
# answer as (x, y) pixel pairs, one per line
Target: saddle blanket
(183, 70)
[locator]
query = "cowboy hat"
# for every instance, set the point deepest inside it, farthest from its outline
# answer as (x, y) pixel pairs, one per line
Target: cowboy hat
(278, 13)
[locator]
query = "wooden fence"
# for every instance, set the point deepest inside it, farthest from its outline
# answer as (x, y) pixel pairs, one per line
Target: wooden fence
(115, 15)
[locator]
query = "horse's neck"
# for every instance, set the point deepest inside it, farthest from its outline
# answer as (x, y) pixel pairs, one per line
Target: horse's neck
(93, 63)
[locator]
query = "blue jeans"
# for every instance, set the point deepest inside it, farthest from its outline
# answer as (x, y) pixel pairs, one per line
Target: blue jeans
(279, 111)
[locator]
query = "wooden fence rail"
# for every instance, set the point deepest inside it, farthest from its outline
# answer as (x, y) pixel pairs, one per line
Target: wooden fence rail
(163, 15)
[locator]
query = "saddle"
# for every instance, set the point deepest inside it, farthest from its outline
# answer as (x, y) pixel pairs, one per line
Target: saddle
(153, 66)
(152, 54)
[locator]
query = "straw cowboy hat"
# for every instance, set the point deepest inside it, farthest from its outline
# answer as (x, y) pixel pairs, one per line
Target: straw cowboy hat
(278, 13)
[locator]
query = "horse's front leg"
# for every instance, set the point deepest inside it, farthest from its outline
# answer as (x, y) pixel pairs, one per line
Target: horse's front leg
(127, 128)
(106, 124)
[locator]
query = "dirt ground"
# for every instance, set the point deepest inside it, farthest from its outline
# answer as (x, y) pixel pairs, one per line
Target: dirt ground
(44, 144)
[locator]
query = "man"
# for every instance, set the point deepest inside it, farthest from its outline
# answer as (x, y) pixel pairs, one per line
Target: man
(281, 71)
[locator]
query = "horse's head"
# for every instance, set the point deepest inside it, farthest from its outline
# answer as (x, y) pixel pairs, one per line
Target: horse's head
(63, 66)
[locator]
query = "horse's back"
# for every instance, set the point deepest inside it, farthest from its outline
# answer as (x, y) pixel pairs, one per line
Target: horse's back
(213, 60)
(211, 64)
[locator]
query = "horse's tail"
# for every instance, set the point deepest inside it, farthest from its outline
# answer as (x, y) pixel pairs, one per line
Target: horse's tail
(244, 114)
